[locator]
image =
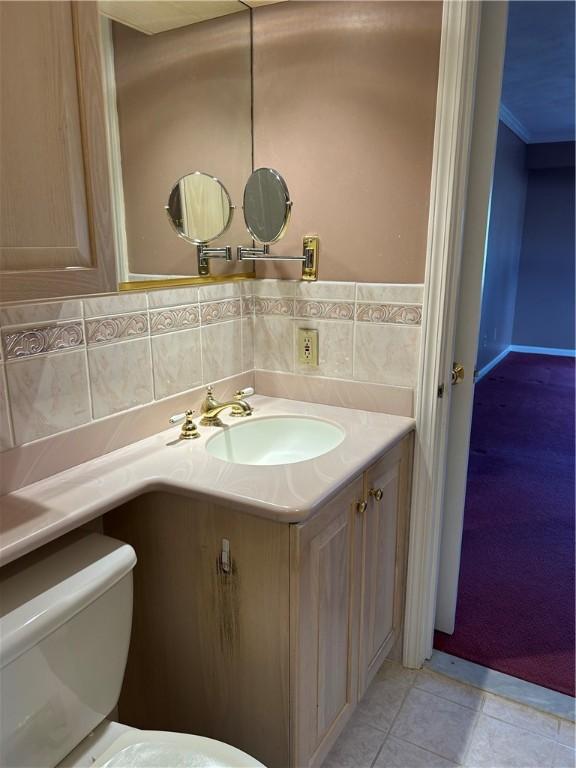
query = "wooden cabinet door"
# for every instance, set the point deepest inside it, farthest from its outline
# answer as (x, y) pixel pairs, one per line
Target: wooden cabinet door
(383, 559)
(56, 232)
(324, 621)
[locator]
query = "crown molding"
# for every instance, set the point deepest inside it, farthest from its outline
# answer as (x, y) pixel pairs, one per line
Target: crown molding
(515, 125)
(532, 137)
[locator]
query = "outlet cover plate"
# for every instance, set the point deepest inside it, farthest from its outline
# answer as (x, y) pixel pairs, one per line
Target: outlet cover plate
(308, 346)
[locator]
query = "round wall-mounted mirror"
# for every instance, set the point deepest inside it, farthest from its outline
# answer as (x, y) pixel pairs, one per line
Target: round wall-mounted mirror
(267, 205)
(199, 208)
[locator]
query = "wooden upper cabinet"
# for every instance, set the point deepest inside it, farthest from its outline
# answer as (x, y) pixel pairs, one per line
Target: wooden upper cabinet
(56, 229)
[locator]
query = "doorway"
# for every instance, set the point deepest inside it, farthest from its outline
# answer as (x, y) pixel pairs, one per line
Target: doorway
(515, 579)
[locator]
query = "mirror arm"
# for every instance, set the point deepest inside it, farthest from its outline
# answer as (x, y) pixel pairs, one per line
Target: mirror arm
(243, 252)
(309, 258)
(263, 254)
(205, 253)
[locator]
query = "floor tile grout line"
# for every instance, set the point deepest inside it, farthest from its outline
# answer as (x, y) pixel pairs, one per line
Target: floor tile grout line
(456, 675)
(460, 762)
(470, 741)
(522, 727)
(425, 749)
(485, 695)
(477, 714)
(451, 701)
(409, 687)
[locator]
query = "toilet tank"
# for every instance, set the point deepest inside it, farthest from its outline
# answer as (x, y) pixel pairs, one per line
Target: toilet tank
(65, 620)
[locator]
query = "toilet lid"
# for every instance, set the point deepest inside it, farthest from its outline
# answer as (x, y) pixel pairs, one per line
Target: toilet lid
(164, 749)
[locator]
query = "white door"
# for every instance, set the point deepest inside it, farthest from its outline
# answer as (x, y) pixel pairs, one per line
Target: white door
(491, 52)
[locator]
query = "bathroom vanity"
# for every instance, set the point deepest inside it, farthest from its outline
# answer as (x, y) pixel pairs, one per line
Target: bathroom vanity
(265, 596)
(269, 644)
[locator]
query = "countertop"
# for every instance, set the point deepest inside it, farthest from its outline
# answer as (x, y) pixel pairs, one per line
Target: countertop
(39, 513)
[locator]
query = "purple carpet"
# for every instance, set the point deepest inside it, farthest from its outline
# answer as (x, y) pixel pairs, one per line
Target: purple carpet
(515, 610)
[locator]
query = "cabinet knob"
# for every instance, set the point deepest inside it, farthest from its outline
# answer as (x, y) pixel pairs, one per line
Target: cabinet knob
(361, 507)
(376, 493)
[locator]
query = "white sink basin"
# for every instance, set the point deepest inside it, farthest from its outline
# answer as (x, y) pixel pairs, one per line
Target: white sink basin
(275, 440)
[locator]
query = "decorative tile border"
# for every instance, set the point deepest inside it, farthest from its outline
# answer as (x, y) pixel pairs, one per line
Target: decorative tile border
(366, 312)
(107, 329)
(36, 341)
(325, 310)
(247, 306)
(399, 314)
(220, 311)
(273, 306)
(176, 319)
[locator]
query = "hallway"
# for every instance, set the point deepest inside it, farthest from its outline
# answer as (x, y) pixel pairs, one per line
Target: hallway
(515, 610)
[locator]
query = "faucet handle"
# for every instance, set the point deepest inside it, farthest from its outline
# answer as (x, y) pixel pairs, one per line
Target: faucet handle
(178, 417)
(189, 430)
(242, 393)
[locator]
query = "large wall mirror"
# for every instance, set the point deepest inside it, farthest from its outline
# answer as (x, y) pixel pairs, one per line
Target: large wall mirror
(179, 99)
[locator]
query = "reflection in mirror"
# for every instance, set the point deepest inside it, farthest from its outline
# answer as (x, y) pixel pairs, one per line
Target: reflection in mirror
(199, 208)
(267, 205)
(179, 100)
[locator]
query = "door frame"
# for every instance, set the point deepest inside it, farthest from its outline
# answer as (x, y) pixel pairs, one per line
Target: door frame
(457, 77)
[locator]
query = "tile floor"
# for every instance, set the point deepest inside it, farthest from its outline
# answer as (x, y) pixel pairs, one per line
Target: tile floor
(419, 719)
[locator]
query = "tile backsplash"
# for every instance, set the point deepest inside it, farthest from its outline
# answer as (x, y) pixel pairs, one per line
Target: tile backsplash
(67, 363)
(367, 332)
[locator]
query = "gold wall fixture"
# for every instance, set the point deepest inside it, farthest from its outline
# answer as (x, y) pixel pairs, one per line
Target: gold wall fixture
(311, 250)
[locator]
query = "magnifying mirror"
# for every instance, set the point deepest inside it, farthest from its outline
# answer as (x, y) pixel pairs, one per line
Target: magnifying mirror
(267, 205)
(199, 208)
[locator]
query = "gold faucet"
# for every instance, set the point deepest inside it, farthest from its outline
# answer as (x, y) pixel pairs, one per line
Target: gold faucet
(210, 409)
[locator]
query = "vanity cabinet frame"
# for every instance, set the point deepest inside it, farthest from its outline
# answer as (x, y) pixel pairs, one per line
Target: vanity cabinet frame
(273, 654)
(382, 558)
(324, 626)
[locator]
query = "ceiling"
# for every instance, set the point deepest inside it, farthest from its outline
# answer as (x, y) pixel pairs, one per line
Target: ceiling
(538, 85)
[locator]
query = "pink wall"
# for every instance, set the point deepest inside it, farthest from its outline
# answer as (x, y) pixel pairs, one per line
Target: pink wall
(344, 102)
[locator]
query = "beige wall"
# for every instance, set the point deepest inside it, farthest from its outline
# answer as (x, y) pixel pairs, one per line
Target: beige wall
(183, 105)
(344, 100)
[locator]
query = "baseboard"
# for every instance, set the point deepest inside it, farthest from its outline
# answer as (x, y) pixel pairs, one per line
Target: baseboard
(542, 351)
(492, 364)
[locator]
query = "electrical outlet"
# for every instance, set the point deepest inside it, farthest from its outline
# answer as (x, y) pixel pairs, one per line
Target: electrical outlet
(307, 346)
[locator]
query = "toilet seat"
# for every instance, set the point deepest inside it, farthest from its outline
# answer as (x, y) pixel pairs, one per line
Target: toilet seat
(163, 749)
(153, 749)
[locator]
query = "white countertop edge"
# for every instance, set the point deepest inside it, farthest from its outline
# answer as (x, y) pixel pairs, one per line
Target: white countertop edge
(122, 475)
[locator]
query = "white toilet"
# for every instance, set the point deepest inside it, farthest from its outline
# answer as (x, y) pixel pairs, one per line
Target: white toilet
(65, 622)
